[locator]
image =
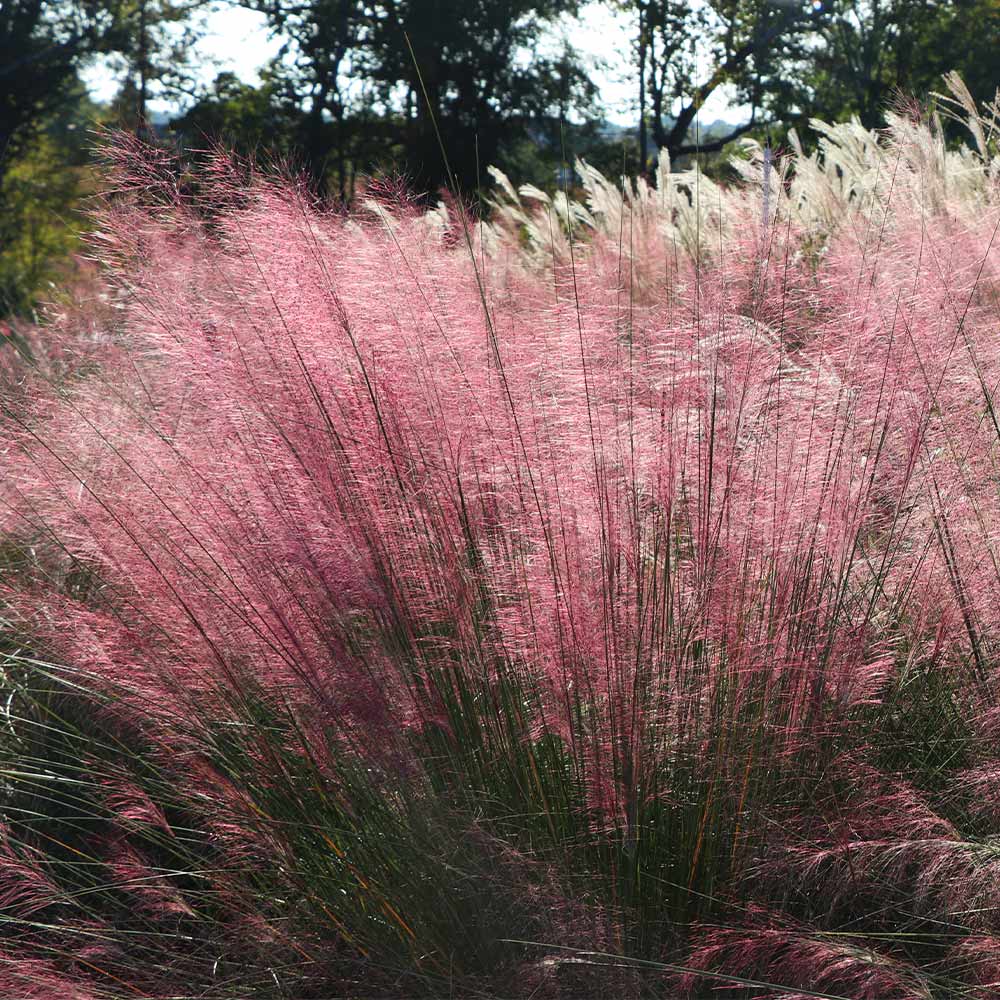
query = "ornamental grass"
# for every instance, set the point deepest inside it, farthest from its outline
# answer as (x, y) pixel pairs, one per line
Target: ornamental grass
(598, 599)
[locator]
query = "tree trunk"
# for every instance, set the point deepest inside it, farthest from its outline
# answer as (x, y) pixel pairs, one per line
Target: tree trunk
(643, 136)
(141, 128)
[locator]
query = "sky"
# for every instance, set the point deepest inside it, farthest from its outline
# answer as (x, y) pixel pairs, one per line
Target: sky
(237, 40)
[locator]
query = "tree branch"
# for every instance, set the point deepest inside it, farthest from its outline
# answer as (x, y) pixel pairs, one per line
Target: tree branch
(716, 144)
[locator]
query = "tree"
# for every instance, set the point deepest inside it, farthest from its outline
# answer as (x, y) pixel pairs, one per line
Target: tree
(473, 74)
(325, 73)
(468, 74)
(42, 43)
(43, 111)
(687, 50)
(152, 39)
(41, 190)
(250, 120)
(971, 36)
(869, 52)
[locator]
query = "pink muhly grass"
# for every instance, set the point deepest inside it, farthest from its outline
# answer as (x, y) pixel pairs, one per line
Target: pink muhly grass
(147, 886)
(976, 960)
(411, 567)
(40, 979)
(26, 888)
(787, 958)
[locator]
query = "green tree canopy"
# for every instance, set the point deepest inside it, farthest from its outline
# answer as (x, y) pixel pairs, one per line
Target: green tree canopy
(401, 72)
(151, 41)
(869, 52)
(42, 44)
(250, 119)
(41, 192)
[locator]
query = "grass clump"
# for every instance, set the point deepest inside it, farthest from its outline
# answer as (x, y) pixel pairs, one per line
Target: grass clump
(607, 609)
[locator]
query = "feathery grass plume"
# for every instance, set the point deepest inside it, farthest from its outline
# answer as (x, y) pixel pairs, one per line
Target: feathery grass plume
(778, 952)
(396, 602)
